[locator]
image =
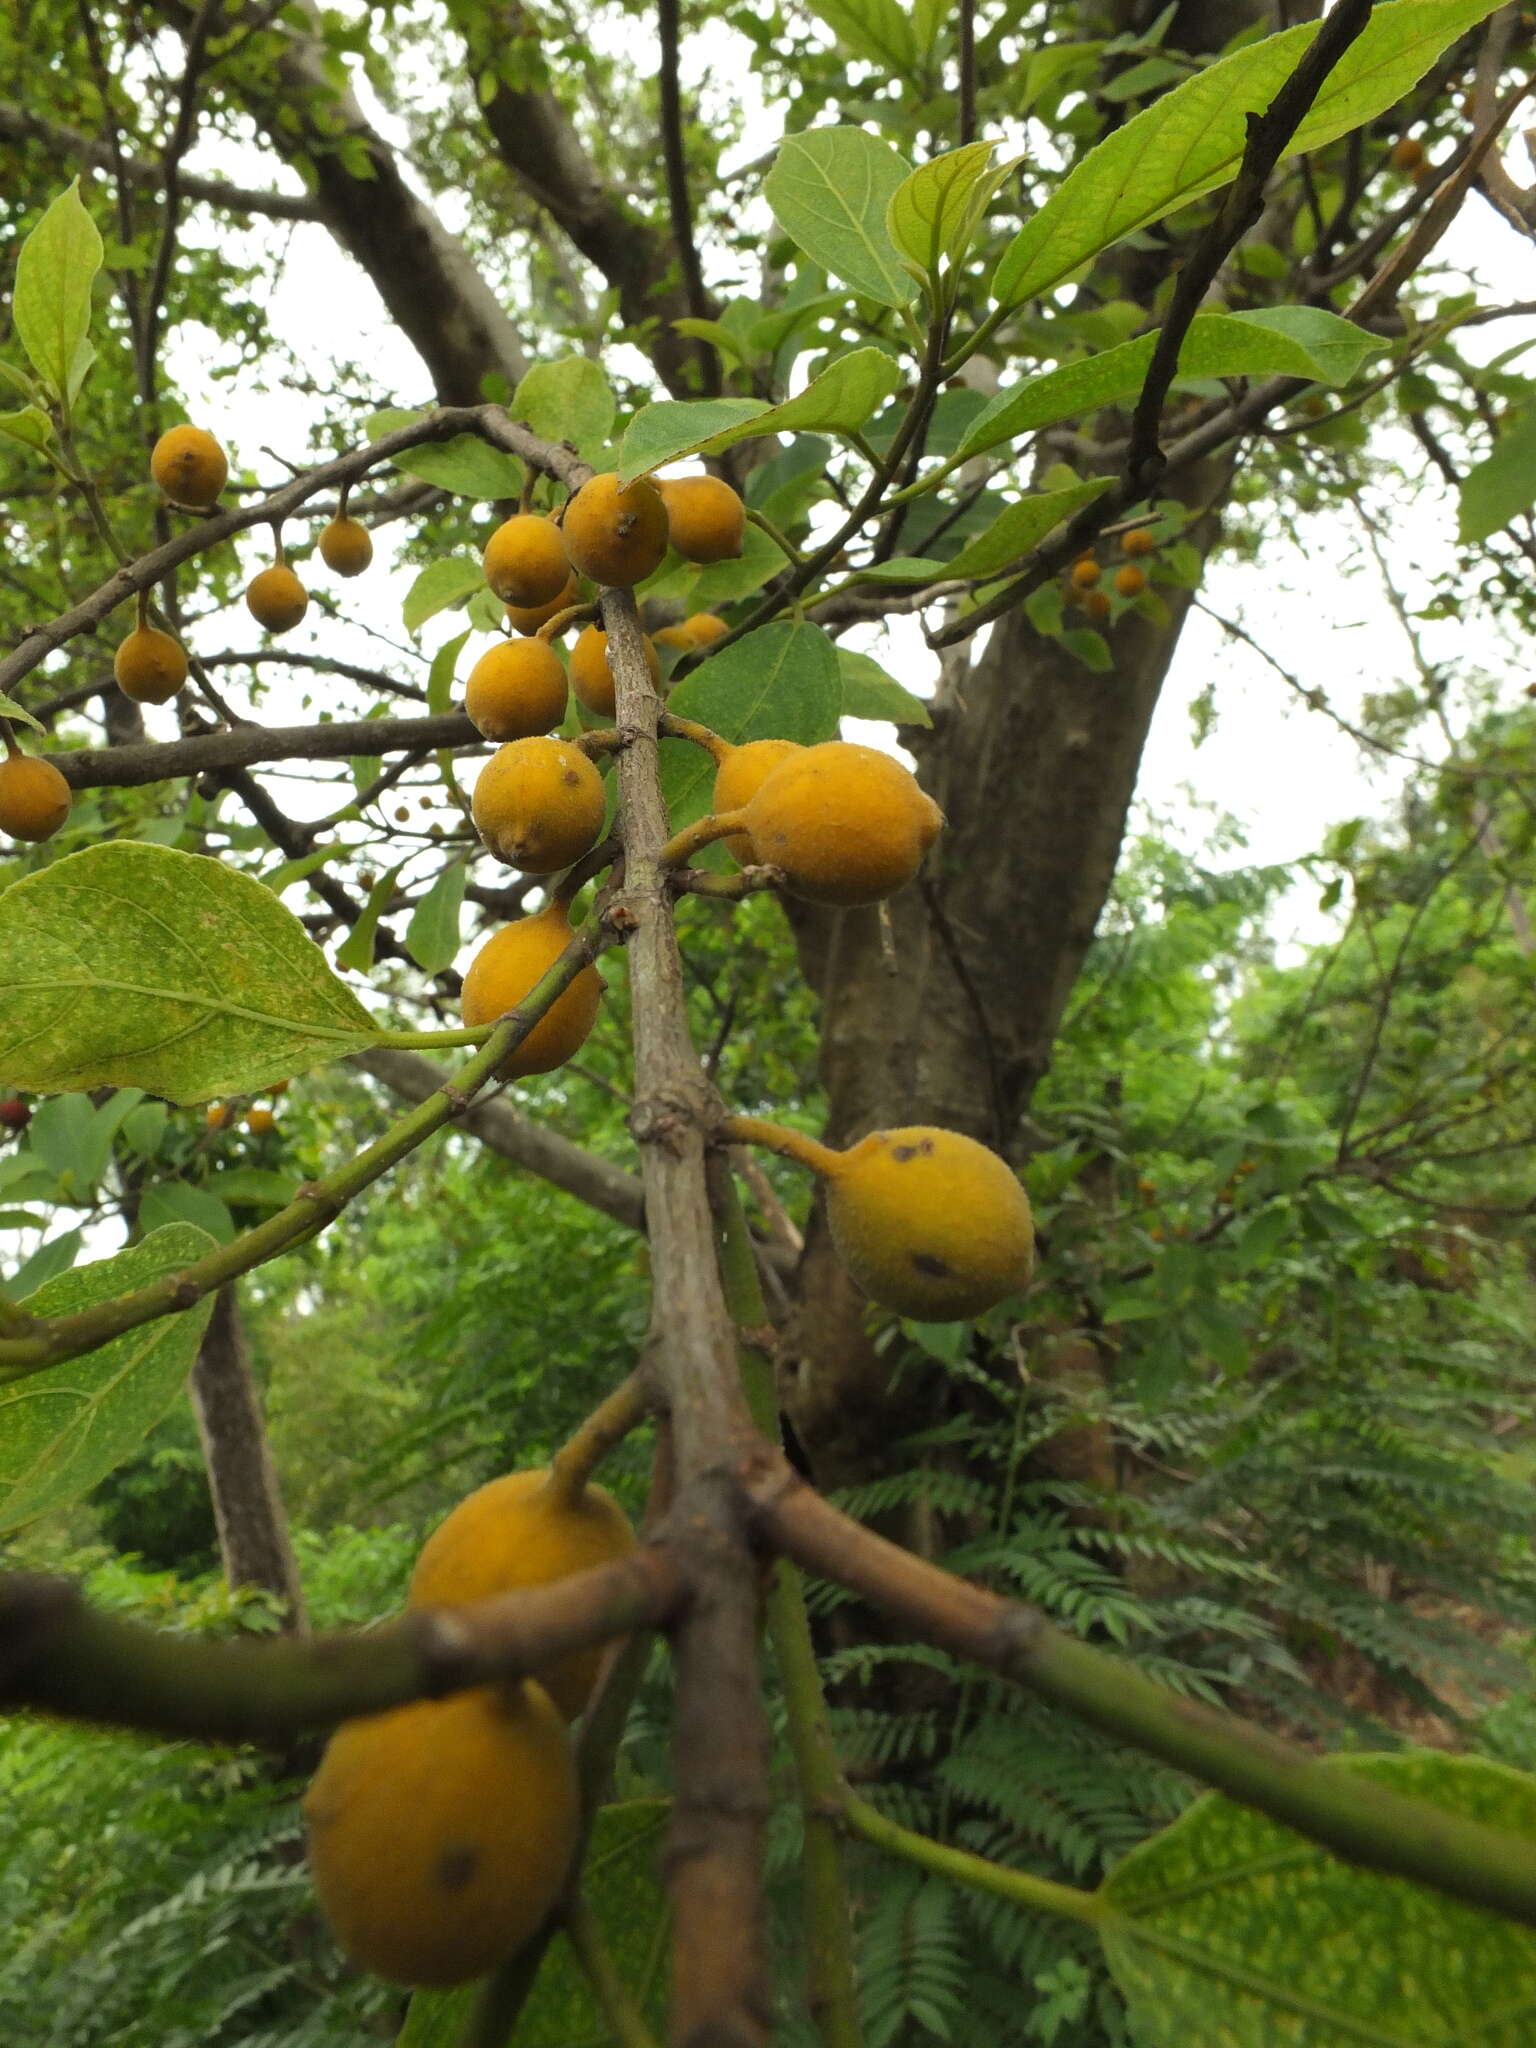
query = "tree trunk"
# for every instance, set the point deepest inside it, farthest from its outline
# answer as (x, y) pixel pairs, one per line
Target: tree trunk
(247, 1503)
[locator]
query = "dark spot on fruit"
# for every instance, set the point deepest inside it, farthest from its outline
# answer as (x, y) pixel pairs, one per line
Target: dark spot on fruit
(918, 1151)
(931, 1264)
(455, 1867)
(571, 775)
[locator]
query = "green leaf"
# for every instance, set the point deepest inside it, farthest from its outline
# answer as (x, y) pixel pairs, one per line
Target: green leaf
(1228, 1927)
(175, 1201)
(1090, 648)
(928, 19)
(879, 30)
(31, 426)
(1262, 1239)
(9, 708)
(57, 1256)
(355, 952)
(437, 2019)
(73, 1137)
(442, 583)
(143, 967)
(931, 215)
(66, 1427)
(466, 465)
(830, 189)
(51, 308)
(254, 1187)
(1291, 341)
(568, 399)
(440, 675)
(432, 936)
(899, 569)
(848, 392)
(704, 587)
(868, 692)
(1022, 527)
(1192, 139)
(1503, 485)
(287, 872)
(622, 1885)
(780, 682)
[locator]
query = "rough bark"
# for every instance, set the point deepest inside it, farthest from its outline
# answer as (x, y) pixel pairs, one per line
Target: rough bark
(536, 141)
(247, 1503)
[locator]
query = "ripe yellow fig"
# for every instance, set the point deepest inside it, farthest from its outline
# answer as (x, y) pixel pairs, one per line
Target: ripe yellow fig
(741, 773)
(701, 630)
(528, 618)
(276, 599)
(346, 546)
(525, 1530)
(150, 666)
(509, 964)
(516, 689)
(928, 1222)
(1407, 153)
(260, 1121)
(525, 560)
(1137, 541)
(441, 1834)
(1085, 573)
(616, 534)
(190, 467)
(846, 823)
(1096, 603)
(538, 805)
(34, 797)
(591, 677)
(1130, 579)
(705, 517)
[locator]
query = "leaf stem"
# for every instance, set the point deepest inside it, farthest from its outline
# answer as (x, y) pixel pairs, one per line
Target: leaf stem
(1020, 1887)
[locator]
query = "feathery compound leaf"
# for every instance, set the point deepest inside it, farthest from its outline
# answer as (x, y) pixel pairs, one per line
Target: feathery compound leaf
(136, 966)
(1192, 139)
(66, 1427)
(1228, 1927)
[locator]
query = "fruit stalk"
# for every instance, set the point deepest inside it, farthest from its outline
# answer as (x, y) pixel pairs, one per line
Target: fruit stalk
(608, 1424)
(682, 846)
(805, 1151)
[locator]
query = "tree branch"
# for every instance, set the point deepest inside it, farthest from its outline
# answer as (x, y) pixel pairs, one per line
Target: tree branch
(59, 1656)
(1359, 1821)
(20, 124)
(247, 745)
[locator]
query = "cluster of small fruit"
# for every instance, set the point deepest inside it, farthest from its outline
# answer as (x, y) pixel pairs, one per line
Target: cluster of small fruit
(1085, 578)
(441, 1834)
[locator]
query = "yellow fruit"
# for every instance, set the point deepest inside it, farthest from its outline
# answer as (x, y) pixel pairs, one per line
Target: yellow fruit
(1130, 581)
(706, 519)
(216, 1116)
(34, 797)
(515, 690)
(506, 967)
(441, 1834)
(846, 824)
(1407, 153)
(259, 1122)
(740, 775)
(1138, 541)
(930, 1223)
(150, 667)
(1095, 603)
(518, 1532)
(346, 546)
(276, 599)
(1085, 573)
(528, 618)
(616, 534)
(525, 560)
(701, 630)
(189, 466)
(591, 678)
(539, 805)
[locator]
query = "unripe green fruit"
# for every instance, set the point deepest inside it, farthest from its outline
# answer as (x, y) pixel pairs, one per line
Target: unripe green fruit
(150, 666)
